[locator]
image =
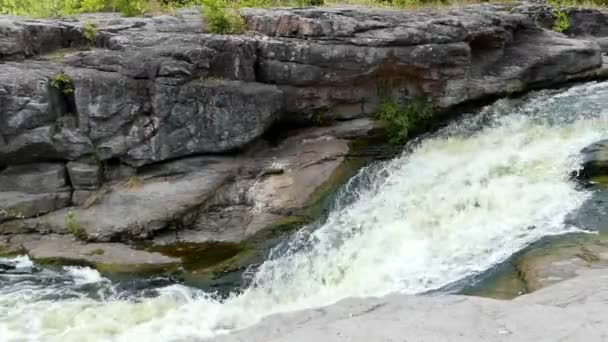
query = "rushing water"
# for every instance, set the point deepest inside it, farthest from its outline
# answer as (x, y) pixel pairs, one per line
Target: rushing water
(456, 204)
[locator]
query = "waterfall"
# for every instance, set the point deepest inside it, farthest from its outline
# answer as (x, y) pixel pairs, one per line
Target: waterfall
(452, 206)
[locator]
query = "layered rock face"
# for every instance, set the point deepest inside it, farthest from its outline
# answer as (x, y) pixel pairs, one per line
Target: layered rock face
(158, 130)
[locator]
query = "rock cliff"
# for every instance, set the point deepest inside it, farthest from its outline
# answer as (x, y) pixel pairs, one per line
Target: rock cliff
(157, 130)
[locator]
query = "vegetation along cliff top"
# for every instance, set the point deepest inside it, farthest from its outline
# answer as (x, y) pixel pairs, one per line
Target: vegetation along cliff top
(224, 16)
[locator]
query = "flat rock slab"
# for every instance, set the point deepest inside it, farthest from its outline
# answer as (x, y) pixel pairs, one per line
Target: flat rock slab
(134, 208)
(106, 257)
(558, 313)
(20, 205)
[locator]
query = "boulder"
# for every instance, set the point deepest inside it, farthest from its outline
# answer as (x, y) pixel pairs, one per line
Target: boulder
(34, 178)
(19, 205)
(595, 160)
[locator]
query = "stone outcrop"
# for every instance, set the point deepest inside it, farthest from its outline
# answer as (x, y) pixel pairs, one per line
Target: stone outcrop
(157, 130)
(578, 307)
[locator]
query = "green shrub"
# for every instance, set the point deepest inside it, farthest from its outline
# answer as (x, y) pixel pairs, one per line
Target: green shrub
(221, 17)
(306, 3)
(404, 119)
(72, 226)
(560, 20)
(63, 83)
(90, 32)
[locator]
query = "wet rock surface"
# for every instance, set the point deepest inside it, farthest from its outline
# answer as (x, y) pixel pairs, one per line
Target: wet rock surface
(107, 257)
(578, 307)
(595, 160)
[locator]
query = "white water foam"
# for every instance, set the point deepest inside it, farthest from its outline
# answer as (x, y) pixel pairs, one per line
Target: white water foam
(21, 261)
(84, 275)
(459, 203)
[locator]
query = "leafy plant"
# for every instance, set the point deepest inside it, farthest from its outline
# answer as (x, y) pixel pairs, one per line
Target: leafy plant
(63, 83)
(322, 116)
(90, 32)
(72, 226)
(130, 8)
(221, 17)
(305, 3)
(560, 20)
(403, 119)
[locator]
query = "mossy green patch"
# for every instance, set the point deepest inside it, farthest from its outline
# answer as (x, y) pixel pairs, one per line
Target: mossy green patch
(279, 227)
(506, 284)
(600, 181)
(136, 269)
(196, 256)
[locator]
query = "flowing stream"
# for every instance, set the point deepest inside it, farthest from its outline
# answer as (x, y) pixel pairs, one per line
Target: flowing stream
(454, 205)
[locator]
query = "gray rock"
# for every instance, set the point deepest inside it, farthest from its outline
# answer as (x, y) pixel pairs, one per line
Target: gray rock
(34, 178)
(277, 188)
(595, 160)
(134, 209)
(156, 89)
(84, 176)
(19, 205)
(578, 307)
(106, 257)
(82, 197)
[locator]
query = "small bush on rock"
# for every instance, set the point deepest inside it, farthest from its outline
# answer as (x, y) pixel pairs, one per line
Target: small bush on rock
(560, 20)
(403, 119)
(63, 83)
(222, 18)
(90, 32)
(72, 226)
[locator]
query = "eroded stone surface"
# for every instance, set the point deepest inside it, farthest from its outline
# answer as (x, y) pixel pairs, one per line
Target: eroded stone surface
(578, 307)
(109, 257)
(133, 209)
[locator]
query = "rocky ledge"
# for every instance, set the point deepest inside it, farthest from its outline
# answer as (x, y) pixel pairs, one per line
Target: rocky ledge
(569, 311)
(155, 131)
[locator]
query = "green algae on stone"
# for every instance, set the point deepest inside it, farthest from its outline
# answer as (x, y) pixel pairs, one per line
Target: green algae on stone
(196, 256)
(506, 284)
(562, 258)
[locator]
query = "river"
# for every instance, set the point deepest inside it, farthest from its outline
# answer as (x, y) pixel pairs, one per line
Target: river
(455, 204)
